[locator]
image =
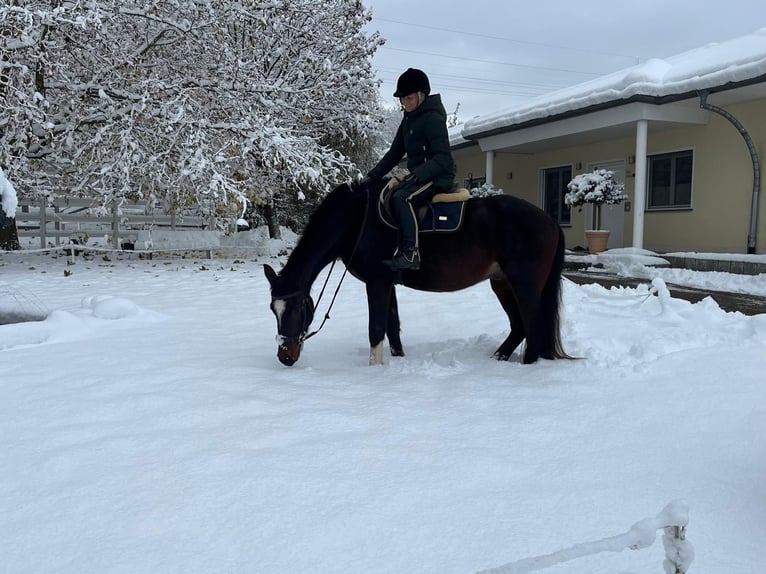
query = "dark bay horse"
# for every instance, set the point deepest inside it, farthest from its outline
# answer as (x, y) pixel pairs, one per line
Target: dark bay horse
(514, 244)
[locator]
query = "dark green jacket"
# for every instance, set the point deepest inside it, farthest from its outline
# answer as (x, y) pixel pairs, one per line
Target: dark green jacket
(423, 137)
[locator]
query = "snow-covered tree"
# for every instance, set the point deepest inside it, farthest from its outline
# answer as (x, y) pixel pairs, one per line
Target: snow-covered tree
(9, 238)
(597, 187)
(185, 103)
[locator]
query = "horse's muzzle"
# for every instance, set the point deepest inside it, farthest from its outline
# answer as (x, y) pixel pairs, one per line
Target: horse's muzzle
(289, 352)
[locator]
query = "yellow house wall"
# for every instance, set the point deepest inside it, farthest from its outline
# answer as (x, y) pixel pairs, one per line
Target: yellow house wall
(469, 162)
(722, 186)
(722, 183)
(525, 180)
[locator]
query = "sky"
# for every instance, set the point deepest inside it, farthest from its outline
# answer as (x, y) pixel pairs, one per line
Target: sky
(498, 54)
(147, 426)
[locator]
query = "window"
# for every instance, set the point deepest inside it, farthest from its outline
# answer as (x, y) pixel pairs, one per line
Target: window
(555, 180)
(670, 180)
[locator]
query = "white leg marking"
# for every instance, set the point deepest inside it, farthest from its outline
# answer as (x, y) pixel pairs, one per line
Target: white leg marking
(376, 354)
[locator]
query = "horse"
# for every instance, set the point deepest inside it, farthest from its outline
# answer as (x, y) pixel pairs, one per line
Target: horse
(511, 242)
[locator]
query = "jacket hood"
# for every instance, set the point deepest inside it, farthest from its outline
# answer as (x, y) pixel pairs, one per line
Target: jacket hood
(432, 103)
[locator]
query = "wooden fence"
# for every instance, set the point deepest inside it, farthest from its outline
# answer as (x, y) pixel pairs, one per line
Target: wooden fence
(67, 220)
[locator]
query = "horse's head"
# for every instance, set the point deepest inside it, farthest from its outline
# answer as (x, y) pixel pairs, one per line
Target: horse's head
(294, 312)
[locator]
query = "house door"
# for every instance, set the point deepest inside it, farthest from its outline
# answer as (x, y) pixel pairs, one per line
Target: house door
(612, 216)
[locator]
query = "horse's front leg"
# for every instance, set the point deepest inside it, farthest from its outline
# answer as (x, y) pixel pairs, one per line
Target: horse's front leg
(378, 305)
(393, 327)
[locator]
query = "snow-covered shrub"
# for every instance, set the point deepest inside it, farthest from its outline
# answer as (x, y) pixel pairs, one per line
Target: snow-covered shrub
(598, 188)
(485, 190)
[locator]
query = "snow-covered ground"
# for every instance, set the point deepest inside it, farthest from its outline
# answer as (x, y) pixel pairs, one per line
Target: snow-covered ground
(644, 264)
(146, 426)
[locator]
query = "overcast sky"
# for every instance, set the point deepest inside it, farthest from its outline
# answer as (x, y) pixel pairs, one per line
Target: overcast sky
(490, 54)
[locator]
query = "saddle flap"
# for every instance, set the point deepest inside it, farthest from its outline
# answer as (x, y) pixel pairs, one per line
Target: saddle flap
(443, 212)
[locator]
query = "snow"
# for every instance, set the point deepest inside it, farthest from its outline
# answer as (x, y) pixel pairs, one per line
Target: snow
(8, 198)
(706, 67)
(645, 264)
(215, 103)
(147, 426)
(642, 534)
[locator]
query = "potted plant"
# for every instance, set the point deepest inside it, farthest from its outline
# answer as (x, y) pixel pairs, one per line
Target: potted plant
(597, 188)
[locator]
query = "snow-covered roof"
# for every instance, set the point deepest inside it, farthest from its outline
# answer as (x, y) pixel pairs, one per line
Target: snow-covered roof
(704, 68)
(456, 138)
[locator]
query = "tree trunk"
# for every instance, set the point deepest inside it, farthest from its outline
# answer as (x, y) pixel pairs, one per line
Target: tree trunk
(597, 216)
(270, 213)
(9, 235)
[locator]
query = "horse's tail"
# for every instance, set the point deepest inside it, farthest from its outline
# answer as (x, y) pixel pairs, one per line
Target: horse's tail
(550, 305)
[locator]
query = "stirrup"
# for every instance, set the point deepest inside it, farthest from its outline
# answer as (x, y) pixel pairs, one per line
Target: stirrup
(402, 261)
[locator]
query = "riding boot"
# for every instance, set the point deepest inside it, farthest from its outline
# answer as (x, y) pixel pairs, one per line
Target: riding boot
(405, 258)
(407, 255)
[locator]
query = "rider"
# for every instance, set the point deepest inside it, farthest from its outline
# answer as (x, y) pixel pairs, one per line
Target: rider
(422, 135)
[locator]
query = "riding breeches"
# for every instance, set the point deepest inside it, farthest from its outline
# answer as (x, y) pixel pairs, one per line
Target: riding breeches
(404, 199)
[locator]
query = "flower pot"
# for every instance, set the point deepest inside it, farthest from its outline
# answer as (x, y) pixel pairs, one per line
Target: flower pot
(597, 240)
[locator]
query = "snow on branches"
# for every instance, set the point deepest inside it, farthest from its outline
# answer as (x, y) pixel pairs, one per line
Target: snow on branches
(187, 103)
(597, 187)
(8, 198)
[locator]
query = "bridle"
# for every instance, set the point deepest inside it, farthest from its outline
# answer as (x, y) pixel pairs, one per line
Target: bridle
(307, 316)
(307, 310)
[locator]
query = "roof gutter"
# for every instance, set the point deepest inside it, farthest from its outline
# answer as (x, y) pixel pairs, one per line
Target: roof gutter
(751, 237)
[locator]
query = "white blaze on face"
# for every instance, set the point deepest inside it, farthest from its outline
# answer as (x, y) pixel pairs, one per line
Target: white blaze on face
(279, 307)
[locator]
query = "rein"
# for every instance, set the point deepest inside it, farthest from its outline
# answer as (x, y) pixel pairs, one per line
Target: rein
(327, 315)
(337, 289)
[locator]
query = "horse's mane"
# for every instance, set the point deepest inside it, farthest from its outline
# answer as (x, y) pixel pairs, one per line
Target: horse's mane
(333, 207)
(323, 231)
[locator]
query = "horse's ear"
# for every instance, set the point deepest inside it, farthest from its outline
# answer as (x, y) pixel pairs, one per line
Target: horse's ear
(271, 275)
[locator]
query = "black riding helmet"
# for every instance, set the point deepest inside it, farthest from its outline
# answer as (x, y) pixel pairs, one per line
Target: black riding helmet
(411, 81)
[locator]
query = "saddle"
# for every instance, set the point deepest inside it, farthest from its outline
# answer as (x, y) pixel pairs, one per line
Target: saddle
(443, 212)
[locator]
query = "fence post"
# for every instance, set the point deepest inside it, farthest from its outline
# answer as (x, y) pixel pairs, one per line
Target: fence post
(43, 222)
(678, 552)
(115, 226)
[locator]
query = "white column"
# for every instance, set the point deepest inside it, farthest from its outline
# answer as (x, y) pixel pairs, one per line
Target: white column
(639, 193)
(490, 158)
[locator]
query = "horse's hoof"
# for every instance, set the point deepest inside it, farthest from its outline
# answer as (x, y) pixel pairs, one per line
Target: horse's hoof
(501, 357)
(397, 352)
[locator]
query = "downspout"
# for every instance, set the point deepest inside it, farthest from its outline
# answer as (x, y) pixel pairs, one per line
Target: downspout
(751, 238)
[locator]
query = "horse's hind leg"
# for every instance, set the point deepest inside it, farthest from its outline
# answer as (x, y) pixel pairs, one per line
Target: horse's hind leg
(505, 295)
(393, 327)
(528, 303)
